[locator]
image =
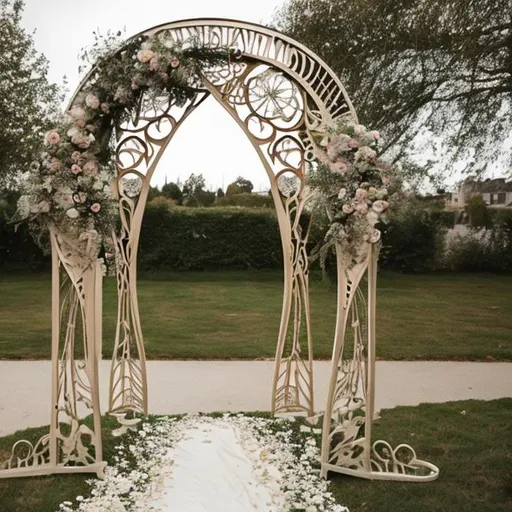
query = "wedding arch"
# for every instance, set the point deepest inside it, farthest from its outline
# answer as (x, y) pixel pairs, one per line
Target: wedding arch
(129, 106)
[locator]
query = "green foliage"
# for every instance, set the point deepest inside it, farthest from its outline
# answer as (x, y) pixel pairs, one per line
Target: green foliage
(413, 241)
(17, 248)
(482, 250)
(478, 213)
(29, 103)
(172, 191)
(246, 200)
(196, 238)
(239, 186)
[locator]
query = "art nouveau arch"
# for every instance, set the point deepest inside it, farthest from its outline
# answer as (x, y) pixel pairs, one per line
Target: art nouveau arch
(260, 58)
(282, 96)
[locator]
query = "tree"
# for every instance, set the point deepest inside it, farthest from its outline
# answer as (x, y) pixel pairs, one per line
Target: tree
(220, 193)
(431, 68)
(29, 103)
(172, 191)
(193, 185)
(239, 186)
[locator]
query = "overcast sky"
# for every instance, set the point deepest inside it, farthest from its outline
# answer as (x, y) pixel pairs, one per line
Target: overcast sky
(209, 142)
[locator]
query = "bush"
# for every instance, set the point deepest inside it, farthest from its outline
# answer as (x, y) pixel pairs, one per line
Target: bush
(17, 248)
(246, 200)
(413, 241)
(208, 238)
(484, 250)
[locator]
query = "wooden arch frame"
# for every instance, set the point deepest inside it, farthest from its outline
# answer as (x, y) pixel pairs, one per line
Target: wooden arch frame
(306, 97)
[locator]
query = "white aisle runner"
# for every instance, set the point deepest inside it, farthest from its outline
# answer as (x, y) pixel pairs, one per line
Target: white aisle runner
(212, 473)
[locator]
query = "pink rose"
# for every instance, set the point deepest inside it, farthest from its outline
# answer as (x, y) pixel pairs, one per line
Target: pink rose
(96, 207)
(55, 164)
(77, 112)
(154, 64)
(347, 208)
(375, 134)
(92, 101)
(352, 143)
(385, 180)
(81, 140)
(76, 169)
(44, 206)
(380, 206)
(340, 167)
(91, 167)
(145, 55)
(362, 208)
(90, 128)
(52, 137)
(75, 156)
(175, 62)
(105, 107)
(361, 195)
(80, 123)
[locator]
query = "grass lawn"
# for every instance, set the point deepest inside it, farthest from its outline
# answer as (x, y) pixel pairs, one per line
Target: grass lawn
(470, 441)
(236, 315)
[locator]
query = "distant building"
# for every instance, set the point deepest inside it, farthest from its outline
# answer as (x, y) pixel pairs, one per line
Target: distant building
(496, 192)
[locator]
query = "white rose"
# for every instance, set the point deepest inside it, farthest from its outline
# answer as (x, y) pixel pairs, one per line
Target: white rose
(72, 213)
(359, 129)
(342, 193)
(347, 208)
(44, 206)
(372, 218)
(365, 153)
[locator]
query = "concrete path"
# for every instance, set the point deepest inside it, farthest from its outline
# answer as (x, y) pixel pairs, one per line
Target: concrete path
(192, 386)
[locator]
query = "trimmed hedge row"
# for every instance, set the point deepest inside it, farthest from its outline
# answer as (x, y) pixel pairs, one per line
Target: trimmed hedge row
(209, 238)
(179, 238)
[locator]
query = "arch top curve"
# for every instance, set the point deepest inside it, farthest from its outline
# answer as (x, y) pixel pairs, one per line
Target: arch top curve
(267, 46)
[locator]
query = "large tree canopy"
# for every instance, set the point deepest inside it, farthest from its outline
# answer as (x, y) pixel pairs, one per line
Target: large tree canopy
(28, 102)
(432, 67)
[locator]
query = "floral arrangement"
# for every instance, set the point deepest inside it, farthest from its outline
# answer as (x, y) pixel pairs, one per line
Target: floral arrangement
(283, 453)
(69, 187)
(352, 183)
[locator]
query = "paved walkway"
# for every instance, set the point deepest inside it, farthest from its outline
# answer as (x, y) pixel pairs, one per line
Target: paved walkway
(192, 386)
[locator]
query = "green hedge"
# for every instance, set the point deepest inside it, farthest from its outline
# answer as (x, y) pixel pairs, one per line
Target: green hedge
(208, 238)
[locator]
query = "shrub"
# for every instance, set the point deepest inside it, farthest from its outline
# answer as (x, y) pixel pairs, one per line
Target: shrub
(413, 241)
(483, 250)
(206, 238)
(246, 200)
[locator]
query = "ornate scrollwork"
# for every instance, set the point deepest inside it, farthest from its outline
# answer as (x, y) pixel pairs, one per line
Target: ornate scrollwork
(346, 443)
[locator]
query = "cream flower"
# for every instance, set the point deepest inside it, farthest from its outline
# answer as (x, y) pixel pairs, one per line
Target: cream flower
(380, 206)
(347, 208)
(145, 55)
(44, 207)
(359, 130)
(55, 165)
(72, 213)
(154, 64)
(365, 153)
(92, 101)
(77, 112)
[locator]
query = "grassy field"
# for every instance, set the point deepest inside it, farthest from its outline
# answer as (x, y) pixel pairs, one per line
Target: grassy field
(470, 441)
(236, 315)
